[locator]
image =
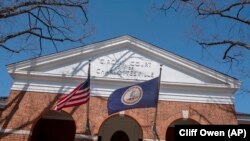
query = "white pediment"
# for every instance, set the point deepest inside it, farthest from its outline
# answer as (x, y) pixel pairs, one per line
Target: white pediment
(120, 62)
(124, 64)
(123, 58)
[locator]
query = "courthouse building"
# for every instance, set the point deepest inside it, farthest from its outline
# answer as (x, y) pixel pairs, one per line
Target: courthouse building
(189, 94)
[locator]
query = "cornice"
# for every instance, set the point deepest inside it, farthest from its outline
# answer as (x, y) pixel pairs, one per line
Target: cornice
(24, 75)
(55, 84)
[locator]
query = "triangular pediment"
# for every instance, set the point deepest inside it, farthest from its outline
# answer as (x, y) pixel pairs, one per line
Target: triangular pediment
(123, 58)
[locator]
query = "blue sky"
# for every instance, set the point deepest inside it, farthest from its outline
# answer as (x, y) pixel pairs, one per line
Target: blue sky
(173, 32)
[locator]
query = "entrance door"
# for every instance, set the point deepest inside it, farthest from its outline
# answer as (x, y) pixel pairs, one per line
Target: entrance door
(119, 136)
(50, 129)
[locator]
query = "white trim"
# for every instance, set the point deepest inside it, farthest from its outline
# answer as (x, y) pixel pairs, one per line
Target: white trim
(243, 118)
(49, 76)
(15, 131)
(151, 140)
(94, 137)
(77, 136)
(82, 136)
(65, 89)
(180, 97)
(185, 114)
(28, 132)
(59, 77)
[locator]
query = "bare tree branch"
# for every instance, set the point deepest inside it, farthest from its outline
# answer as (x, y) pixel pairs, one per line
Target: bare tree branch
(232, 20)
(233, 5)
(220, 13)
(229, 43)
(9, 49)
(204, 10)
(233, 11)
(47, 20)
(12, 10)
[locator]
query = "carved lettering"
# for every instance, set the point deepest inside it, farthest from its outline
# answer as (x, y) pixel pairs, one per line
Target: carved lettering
(127, 69)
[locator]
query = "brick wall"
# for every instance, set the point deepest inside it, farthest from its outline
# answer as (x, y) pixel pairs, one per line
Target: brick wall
(24, 109)
(13, 137)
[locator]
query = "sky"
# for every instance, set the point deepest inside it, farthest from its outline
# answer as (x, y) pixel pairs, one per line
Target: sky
(173, 31)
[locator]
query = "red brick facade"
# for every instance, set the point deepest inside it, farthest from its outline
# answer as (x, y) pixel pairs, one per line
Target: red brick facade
(24, 109)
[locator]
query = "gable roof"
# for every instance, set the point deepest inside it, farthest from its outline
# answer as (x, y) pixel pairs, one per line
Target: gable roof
(119, 42)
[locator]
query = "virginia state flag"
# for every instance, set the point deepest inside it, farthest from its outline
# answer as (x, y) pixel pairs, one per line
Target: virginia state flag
(140, 95)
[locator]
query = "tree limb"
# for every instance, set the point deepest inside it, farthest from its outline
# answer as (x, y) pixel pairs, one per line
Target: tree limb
(203, 11)
(230, 44)
(42, 21)
(9, 49)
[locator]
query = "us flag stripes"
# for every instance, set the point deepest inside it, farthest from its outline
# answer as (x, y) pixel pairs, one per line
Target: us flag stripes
(80, 95)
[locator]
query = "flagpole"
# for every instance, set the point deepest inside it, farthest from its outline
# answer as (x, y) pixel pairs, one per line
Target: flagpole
(87, 115)
(156, 108)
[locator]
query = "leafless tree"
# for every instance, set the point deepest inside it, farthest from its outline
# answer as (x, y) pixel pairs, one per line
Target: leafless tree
(31, 24)
(235, 12)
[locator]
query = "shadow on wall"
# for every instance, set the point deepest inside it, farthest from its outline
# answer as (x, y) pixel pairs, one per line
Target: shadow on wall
(13, 108)
(223, 109)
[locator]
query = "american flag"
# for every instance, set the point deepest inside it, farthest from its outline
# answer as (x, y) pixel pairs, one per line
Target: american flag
(80, 95)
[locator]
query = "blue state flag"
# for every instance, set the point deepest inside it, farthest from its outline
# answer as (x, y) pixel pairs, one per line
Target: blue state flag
(140, 95)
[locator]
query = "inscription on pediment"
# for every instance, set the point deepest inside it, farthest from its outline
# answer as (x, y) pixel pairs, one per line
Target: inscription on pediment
(125, 64)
